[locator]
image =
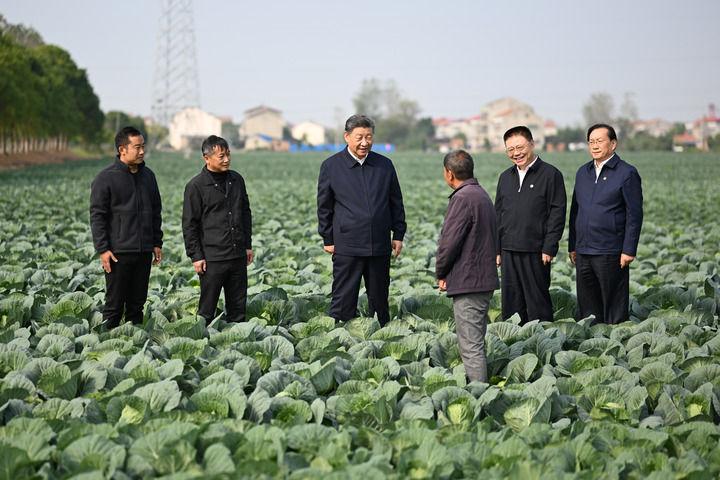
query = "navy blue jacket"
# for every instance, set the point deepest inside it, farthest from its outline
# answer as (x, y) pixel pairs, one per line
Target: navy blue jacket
(125, 210)
(465, 256)
(216, 222)
(358, 206)
(531, 218)
(606, 216)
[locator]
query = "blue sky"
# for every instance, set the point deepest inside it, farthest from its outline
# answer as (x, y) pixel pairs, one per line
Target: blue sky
(309, 58)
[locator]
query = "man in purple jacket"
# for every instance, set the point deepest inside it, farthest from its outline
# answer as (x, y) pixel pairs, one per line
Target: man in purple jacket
(465, 260)
(606, 215)
(361, 220)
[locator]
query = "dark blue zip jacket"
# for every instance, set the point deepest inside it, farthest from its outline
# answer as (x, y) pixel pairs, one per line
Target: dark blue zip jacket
(606, 215)
(358, 206)
(125, 210)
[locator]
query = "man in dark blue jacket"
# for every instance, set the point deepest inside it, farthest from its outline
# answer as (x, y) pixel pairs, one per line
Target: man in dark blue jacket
(217, 229)
(605, 219)
(359, 205)
(530, 203)
(465, 260)
(125, 220)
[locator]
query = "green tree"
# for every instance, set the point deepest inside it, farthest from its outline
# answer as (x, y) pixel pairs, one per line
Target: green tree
(598, 109)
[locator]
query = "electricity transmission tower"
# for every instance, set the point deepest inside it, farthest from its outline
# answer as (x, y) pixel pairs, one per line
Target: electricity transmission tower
(175, 79)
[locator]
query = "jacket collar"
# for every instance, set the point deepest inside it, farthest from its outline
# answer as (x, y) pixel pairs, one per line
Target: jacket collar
(209, 179)
(611, 162)
(535, 165)
(469, 181)
(351, 162)
(123, 166)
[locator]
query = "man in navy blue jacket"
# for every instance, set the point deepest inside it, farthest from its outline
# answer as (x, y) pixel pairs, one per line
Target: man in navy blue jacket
(605, 220)
(359, 205)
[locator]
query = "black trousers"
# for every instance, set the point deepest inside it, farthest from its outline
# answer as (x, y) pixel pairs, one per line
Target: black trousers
(525, 284)
(126, 288)
(603, 288)
(347, 271)
(230, 275)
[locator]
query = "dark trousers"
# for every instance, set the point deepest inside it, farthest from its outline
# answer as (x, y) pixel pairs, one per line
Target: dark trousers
(126, 288)
(347, 271)
(603, 288)
(230, 275)
(525, 284)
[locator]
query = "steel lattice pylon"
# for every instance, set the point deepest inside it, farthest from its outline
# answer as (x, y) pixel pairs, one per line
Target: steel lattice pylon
(175, 80)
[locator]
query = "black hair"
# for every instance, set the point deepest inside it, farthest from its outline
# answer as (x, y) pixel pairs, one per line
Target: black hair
(611, 130)
(460, 163)
(519, 130)
(209, 144)
(122, 139)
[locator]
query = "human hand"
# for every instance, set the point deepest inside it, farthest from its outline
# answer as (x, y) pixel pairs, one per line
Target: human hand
(442, 283)
(572, 257)
(250, 256)
(329, 248)
(200, 266)
(157, 253)
(625, 260)
(546, 258)
(397, 247)
(497, 260)
(105, 258)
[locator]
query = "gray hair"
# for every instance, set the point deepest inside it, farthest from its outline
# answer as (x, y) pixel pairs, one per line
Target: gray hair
(359, 121)
(460, 163)
(209, 144)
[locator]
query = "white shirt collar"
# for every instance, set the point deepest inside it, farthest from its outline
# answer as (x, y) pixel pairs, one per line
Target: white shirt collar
(359, 160)
(598, 167)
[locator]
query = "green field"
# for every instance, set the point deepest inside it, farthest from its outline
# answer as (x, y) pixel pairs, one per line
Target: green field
(289, 395)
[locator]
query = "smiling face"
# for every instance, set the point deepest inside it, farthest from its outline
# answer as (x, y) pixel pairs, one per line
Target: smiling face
(601, 147)
(218, 161)
(360, 141)
(520, 151)
(133, 153)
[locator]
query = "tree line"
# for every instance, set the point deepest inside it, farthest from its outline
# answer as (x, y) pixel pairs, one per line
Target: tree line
(46, 101)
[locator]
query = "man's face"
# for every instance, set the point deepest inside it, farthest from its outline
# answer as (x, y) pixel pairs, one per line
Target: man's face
(520, 151)
(601, 147)
(360, 141)
(132, 154)
(218, 161)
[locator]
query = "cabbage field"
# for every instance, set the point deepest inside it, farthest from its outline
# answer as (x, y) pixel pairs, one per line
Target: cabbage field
(290, 395)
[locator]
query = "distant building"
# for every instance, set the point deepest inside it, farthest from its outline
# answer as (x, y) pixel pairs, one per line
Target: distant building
(264, 142)
(704, 127)
(191, 126)
(262, 120)
(654, 127)
(309, 133)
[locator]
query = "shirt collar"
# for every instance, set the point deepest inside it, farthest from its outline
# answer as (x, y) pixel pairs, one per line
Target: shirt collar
(528, 167)
(359, 160)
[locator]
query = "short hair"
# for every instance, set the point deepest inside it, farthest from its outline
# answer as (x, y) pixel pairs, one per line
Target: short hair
(359, 121)
(460, 163)
(611, 130)
(209, 144)
(122, 139)
(519, 130)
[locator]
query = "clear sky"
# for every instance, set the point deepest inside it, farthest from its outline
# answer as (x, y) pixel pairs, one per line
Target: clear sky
(309, 58)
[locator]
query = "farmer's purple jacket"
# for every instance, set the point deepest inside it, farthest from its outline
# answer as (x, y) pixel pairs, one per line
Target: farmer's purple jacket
(466, 250)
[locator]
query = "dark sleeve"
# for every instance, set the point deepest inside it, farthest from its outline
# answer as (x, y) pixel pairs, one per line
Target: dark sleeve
(100, 214)
(498, 219)
(555, 224)
(571, 222)
(192, 223)
(325, 206)
(247, 216)
(397, 209)
(157, 215)
(457, 224)
(632, 194)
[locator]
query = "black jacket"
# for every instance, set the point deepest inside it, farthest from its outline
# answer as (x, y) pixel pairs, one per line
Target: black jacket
(531, 218)
(216, 224)
(466, 250)
(359, 205)
(125, 210)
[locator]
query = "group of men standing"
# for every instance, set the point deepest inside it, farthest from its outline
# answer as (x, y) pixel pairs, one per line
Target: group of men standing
(361, 220)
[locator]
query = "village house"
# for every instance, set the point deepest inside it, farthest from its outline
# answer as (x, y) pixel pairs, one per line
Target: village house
(191, 126)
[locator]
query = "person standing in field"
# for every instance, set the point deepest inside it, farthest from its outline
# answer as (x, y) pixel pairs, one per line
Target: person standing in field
(126, 220)
(217, 229)
(606, 215)
(465, 260)
(359, 206)
(530, 203)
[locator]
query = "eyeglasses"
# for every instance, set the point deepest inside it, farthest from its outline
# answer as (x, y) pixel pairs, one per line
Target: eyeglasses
(519, 148)
(597, 142)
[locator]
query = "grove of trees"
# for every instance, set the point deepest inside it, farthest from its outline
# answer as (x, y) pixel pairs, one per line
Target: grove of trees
(46, 101)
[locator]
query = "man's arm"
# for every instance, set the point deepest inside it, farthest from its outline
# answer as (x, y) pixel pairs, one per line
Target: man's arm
(498, 220)
(397, 212)
(452, 237)
(192, 223)
(100, 214)
(632, 195)
(571, 227)
(157, 216)
(555, 222)
(325, 207)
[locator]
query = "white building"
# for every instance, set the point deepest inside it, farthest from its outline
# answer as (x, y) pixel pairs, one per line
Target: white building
(310, 133)
(262, 120)
(191, 125)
